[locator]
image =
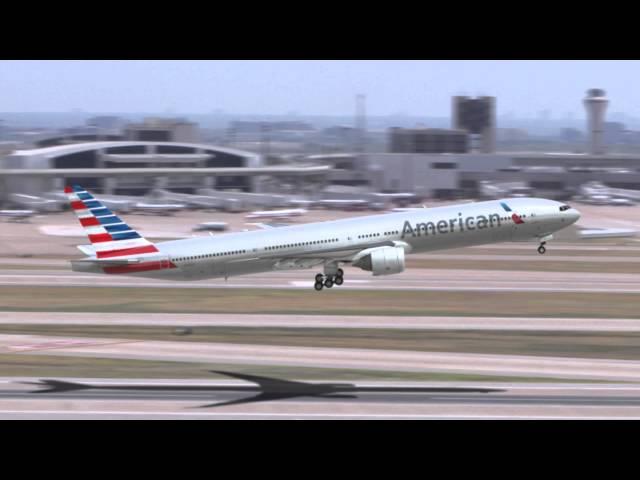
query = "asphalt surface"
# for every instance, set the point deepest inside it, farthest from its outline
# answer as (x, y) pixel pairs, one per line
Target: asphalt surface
(129, 399)
(324, 357)
(421, 398)
(175, 399)
(323, 321)
(412, 279)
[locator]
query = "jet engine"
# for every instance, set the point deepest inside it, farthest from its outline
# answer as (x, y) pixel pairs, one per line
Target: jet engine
(381, 260)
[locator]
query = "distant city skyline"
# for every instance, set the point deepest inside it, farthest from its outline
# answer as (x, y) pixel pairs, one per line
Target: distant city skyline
(524, 89)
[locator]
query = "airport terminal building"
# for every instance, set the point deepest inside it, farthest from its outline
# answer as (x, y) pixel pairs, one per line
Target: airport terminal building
(136, 167)
(449, 175)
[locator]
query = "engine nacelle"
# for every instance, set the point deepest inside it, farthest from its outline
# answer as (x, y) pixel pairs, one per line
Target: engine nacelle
(381, 260)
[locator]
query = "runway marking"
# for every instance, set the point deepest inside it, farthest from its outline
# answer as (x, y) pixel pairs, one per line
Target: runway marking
(453, 322)
(57, 344)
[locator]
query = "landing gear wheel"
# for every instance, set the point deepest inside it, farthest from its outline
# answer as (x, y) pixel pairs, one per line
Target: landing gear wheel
(328, 283)
(319, 278)
(542, 250)
(318, 286)
(339, 280)
(340, 273)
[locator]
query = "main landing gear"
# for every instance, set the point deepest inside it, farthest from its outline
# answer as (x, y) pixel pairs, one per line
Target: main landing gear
(329, 280)
(541, 249)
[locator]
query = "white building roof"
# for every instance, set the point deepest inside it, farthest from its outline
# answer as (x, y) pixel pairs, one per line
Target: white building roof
(59, 150)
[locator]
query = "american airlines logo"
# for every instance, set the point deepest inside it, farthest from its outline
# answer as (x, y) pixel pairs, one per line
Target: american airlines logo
(515, 217)
(478, 222)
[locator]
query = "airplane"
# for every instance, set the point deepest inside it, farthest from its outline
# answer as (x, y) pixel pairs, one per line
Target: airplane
(269, 225)
(17, 215)
(295, 212)
(376, 243)
(211, 227)
(490, 190)
(114, 202)
(158, 208)
(600, 194)
(39, 204)
(406, 209)
(347, 204)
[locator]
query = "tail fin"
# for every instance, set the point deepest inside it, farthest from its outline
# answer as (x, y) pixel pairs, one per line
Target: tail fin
(108, 234)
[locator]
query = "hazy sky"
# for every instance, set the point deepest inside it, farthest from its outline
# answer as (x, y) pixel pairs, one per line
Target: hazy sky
(523, 88)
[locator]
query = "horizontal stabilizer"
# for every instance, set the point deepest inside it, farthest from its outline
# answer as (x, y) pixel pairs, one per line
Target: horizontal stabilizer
(88, 250)
(107, 261)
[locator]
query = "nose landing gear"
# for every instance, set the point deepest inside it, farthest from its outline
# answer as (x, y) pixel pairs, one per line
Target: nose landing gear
(543, 239)
(329, 280)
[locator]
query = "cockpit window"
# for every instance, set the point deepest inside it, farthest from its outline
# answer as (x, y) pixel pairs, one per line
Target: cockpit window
(564, 208)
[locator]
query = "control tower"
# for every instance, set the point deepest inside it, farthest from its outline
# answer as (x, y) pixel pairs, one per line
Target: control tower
(478, 117)
(596, 104)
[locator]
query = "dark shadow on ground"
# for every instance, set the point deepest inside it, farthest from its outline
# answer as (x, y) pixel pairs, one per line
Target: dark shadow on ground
(266, 389)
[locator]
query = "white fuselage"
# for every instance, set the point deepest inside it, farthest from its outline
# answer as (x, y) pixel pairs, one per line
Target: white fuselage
(308, 245)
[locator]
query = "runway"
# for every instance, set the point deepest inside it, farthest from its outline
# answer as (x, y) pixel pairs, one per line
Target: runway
(374, 400)
(412, 279)
(31, 259)
(323, 321)
(323, 357)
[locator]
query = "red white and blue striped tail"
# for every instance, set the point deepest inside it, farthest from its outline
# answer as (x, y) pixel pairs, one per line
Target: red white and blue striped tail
(109, 235)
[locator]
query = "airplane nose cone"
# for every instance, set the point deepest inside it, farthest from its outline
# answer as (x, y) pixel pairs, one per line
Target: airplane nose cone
(575, 215)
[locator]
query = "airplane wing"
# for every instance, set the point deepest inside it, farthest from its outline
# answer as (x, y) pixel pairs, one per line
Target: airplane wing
(343, 254)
